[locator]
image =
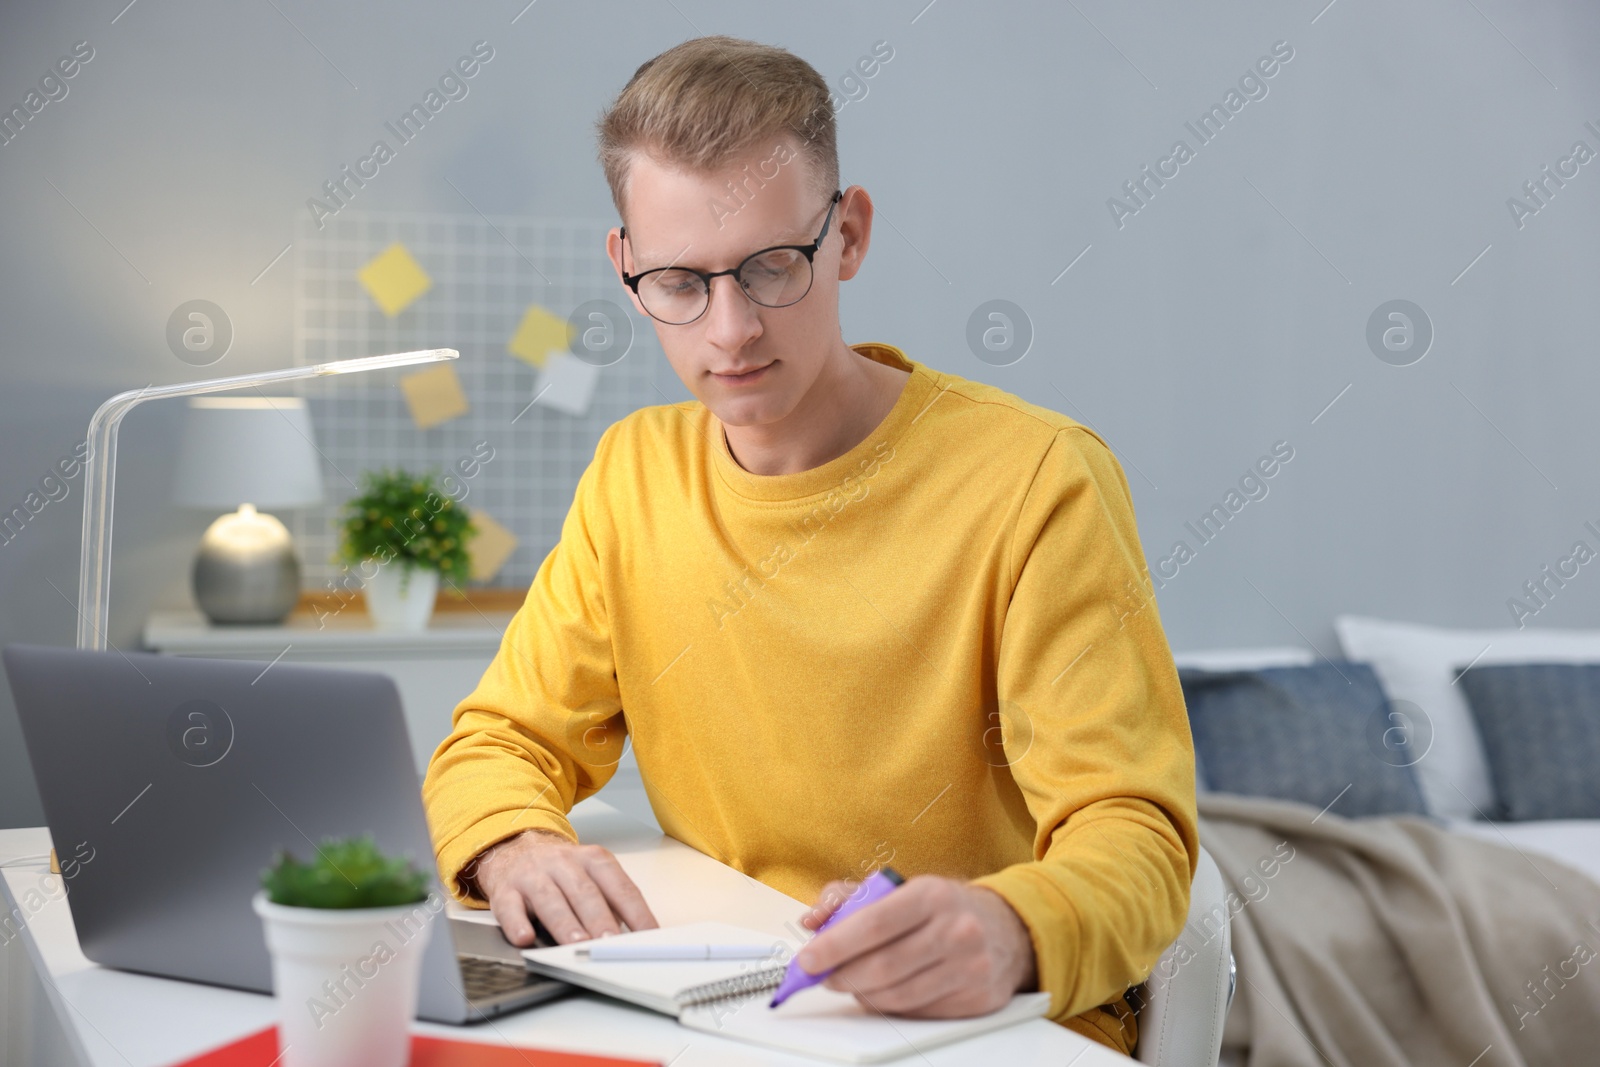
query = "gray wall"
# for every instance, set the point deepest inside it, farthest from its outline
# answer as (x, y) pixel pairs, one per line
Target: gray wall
(1222, 317)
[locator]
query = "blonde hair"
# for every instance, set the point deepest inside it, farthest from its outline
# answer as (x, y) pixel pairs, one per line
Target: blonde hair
(709, 100)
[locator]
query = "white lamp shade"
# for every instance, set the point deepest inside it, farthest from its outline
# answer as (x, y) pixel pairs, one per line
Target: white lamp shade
(247, 450)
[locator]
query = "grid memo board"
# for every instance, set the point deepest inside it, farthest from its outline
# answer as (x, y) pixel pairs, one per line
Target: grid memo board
(485, 273)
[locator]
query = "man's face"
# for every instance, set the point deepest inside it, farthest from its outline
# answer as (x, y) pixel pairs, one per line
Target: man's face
(681, 219)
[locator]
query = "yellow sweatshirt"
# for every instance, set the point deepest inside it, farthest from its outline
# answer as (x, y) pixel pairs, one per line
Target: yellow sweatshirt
(939, 651)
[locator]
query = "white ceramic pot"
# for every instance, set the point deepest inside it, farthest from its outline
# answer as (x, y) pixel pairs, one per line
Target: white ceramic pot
(398, 599)
(346, 980)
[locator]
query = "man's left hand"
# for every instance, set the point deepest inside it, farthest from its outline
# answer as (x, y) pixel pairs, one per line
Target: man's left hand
(935, 948)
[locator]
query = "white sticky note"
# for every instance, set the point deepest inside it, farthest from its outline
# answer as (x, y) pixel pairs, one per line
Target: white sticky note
(566, 383)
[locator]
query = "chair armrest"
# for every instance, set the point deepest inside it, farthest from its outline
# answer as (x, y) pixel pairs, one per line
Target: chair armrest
(1191, 987)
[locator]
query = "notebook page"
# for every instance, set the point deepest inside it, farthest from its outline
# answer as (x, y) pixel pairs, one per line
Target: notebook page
(655, 984)
(821, 1022)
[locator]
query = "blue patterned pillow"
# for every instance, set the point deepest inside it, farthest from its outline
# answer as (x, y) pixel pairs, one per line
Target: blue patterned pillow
(1540, 724)
(1320, 734)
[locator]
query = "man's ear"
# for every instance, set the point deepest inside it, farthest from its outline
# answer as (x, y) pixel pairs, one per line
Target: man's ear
(614, 249)
(614, 253)
(855, 228)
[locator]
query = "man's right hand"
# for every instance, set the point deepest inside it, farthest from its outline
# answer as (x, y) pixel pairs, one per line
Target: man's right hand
(577, 891)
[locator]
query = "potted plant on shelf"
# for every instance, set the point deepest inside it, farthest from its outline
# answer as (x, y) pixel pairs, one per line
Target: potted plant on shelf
(346, 933)
(403, 534)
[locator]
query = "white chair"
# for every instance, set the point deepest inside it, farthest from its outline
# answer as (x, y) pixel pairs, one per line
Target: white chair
(1186, 998)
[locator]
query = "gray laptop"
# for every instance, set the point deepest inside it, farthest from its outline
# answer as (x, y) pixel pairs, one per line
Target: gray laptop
(170, 783)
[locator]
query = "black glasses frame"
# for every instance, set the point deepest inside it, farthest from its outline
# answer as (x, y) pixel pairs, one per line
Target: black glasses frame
(706, 277)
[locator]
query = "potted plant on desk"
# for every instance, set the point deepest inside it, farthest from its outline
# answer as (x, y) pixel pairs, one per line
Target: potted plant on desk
(404, 534)
(346, 933)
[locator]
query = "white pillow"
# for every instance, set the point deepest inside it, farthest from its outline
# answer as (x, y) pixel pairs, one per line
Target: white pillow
(1238, 659)
(1420, 664)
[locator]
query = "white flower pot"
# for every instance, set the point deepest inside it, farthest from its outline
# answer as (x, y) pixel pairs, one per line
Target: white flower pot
(346, 980)
(398, 599)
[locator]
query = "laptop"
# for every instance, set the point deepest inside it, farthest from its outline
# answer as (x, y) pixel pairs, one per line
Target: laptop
(170, 784)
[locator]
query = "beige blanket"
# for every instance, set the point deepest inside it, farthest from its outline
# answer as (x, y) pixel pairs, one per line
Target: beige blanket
(1392, 941)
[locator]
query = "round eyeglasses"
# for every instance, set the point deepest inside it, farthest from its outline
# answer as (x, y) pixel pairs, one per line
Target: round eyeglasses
(773, 277)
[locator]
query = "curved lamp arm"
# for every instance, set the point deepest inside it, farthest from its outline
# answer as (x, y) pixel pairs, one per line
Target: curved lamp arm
(100, 468)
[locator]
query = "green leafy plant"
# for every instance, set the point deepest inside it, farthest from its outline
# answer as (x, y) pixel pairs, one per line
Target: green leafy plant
(347, 873)
(405, 518)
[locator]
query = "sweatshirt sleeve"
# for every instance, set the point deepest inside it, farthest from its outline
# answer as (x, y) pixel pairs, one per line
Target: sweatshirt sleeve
(1097, 736)
(544, 728)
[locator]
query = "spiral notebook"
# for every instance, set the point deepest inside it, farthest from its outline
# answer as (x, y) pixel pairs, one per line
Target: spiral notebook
(730, 997)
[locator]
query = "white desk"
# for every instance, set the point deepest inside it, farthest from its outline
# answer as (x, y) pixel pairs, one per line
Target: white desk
(115, 1019)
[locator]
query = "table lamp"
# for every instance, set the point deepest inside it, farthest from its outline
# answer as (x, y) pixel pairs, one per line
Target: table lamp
(249, 452)
(100, 468)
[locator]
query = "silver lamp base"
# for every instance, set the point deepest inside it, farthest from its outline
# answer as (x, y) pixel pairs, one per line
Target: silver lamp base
(246, 572)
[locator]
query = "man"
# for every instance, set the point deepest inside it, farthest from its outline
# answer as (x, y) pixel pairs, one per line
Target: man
(851, 612)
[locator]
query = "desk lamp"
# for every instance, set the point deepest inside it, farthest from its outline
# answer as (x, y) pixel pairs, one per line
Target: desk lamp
(100, 468)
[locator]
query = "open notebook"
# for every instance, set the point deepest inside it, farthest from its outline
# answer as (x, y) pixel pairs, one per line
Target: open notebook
(730, 998)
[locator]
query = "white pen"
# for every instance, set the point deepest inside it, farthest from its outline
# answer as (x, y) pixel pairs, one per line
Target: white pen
(603, 953)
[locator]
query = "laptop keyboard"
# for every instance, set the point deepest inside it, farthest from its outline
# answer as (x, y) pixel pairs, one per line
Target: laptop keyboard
(486, 978)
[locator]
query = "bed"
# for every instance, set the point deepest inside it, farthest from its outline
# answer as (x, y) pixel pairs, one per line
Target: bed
(1438, 790)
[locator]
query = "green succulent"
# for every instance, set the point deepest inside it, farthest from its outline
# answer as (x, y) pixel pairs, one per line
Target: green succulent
(407, 518)
(347, 873)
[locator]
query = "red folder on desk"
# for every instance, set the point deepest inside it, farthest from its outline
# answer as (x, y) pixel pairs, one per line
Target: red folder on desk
(260, 1049)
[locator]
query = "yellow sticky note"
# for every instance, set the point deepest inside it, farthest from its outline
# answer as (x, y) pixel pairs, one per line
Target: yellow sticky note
(489, 547)
(434, 395)
(393, 279)
(540, 334)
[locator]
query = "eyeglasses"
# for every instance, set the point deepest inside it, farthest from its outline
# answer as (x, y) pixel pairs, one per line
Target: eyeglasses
(773, 277)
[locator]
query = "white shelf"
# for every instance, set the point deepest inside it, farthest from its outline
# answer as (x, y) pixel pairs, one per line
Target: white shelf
(188, 633)
(433, 669)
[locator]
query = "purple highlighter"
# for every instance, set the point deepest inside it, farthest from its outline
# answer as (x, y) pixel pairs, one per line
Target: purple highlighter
(879, 885)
